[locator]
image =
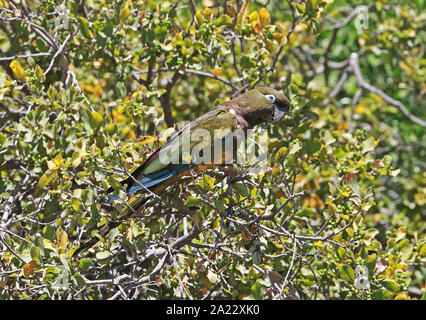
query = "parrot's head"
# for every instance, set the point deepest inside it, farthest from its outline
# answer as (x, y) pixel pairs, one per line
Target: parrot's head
(263, 104)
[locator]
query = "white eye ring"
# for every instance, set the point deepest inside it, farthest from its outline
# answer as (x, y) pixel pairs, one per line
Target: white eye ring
(271, 98)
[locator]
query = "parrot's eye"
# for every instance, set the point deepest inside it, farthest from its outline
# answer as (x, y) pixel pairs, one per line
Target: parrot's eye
(271, 98)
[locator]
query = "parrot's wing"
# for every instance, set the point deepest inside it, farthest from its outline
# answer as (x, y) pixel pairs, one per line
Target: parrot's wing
(155, 170)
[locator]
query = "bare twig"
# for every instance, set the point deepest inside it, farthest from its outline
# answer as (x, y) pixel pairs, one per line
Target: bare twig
(354, 63)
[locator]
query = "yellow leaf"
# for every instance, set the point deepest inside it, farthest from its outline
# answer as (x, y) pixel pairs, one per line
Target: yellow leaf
(360, 109)
(196, 218)
(256, 27)
(401, 297)
(269, 46)
(293, 38)
(207, 12)
(423, 250)
(400, 233)
(97, 118)
(179, 36)
(75, 204)
(260, 176)
(239, 18)
(264, 17)
(280, 38)
(4, 4)
(344, 126)
(275, 170)
(146, 140)
(300, 27)
(47, 244)
(406, 68)
(39, 73)
(344, 217)
(58, 160)
(18, 71)
(281, 153)
(319, 244)
(7, 256)
(118, 117)
(124, 14)
(283, 26)
(253, 16)
(199, 18)
(332, 208)
(411, 33)
(131, 135)
(29, 268)
(230, 10)
(62, 240)
(47, 177)
(217, 72)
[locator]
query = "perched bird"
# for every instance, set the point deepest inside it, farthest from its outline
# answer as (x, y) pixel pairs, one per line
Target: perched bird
(155, 174)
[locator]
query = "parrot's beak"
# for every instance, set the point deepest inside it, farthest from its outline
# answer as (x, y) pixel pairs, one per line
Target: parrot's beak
(279, 113)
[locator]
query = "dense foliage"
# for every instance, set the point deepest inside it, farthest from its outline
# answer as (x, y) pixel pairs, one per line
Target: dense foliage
(88, 89)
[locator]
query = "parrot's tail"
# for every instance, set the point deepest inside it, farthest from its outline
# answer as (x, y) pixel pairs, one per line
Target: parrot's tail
(125, 213)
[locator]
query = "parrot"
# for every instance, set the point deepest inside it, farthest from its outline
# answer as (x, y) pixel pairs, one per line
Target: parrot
(259, 105)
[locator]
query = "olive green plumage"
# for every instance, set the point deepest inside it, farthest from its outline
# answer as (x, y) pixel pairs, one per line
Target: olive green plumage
(243, 112)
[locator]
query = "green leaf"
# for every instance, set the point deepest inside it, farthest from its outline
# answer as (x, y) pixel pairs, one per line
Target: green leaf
(102, 255)
(246, 62)
(193, 202)
(299, 7)
(97, 118)
(241, 189)
(381, 295)
(35, 253)
(224, 20)
(79, 279)
(257, 290)
(406, 251)
(85, 264)
(76, 204)
(371, 233)
(294, 148)
(84, 27)
(355, 187)
(347, 273)
(310, 146)
(391, 286)
(161, 32)
(219, 204)
(305, 212)
(327, 137)
(209, 181)
(120, 90)
(369, 145)
(49, 233)
(47, 177)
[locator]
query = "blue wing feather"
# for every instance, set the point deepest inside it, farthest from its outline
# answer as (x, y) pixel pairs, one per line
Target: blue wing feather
(155, 178)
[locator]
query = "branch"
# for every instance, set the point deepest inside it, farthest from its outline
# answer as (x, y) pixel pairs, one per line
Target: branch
(349, 18)
(354, 63)
(165, 100)
(23, 56)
